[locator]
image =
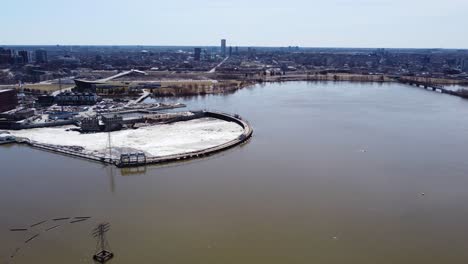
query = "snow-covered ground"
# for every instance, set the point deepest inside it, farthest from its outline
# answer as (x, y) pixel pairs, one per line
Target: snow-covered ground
(158, 140)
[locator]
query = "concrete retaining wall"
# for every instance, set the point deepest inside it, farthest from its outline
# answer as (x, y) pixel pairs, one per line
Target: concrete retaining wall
(245, 136)
(19, 126)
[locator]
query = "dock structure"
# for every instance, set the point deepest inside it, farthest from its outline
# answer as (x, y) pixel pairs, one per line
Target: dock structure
(244, 137)
(140, 99)
(132, 159)
(140, 159)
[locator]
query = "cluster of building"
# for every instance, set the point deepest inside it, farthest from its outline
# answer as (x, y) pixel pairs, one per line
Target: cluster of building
(17, 110)
(102, 123)
(33, 64)
(450, 64)
(29, 64)
(204, 54)
(11, 56)
(112, 72)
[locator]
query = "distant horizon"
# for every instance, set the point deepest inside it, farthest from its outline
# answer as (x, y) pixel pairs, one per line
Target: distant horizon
(416, 24)
(217, 46)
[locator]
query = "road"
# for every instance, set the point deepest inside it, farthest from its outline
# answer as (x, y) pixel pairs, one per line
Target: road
(219, 65)
(145, 94)
(121, 74)
(65, 80)
(66, 89)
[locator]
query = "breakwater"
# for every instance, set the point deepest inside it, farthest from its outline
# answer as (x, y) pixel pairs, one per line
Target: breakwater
(20, 125)
(79, 153)
(245, 136)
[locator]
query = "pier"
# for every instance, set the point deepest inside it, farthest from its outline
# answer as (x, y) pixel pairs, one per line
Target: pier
(244, 137)
(139, 159)
(140, 99)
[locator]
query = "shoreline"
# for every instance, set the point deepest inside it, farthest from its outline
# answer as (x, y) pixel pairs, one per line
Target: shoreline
(247, 132)
(364, 78)
(339, 77)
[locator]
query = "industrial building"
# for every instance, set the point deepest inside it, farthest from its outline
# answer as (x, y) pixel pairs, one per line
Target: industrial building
(105, 122)
(8, 100)
(90, 125)
(112, 122)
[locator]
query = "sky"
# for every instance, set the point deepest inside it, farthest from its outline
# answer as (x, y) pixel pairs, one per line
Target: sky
(305, 23)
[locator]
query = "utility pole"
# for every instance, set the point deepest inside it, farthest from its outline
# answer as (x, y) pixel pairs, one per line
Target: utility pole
(102, 255)
(21, 87)
(60, 88)
(21, 93)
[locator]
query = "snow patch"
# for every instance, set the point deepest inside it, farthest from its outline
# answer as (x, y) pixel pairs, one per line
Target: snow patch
(157, 140)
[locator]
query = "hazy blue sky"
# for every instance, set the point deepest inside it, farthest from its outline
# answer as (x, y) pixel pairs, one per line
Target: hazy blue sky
(311, 23)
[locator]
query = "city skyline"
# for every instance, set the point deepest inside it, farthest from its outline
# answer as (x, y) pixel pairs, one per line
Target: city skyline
(337, 23)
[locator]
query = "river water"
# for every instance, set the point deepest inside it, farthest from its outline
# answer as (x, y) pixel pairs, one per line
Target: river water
(335, 173)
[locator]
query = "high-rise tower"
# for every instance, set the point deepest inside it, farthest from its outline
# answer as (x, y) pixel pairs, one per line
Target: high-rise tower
(223, 47)
(197, 54)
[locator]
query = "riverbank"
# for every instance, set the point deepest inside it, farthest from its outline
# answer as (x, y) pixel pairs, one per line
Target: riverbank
(208, 133)
(361, 78)
(231, 86)
(222, 87)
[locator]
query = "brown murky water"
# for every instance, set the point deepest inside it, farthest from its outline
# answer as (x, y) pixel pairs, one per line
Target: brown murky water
(335, 173)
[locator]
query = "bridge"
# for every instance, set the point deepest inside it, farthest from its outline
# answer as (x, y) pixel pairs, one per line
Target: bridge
(140, 99)
(219, 65)
(118, 75)
(428, 86)
(87, 83)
